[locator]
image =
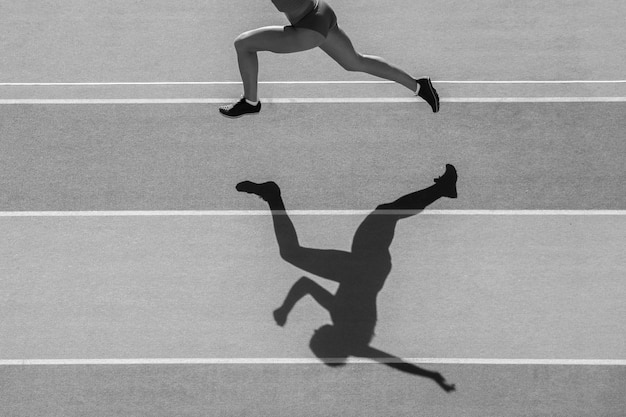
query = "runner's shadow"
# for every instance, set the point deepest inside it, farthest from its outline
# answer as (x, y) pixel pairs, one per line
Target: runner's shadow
(361, 274)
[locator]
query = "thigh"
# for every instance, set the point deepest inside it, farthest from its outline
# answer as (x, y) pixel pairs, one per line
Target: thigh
(375, 234)
(334, 265)
(281, 39)
(339, 47)
(321, 19)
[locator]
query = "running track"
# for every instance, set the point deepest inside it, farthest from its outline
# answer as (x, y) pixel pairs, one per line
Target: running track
(519, 279)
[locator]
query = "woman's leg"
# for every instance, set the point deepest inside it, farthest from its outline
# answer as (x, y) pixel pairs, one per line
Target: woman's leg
(277, 39)
(301, 288)
(339, 47)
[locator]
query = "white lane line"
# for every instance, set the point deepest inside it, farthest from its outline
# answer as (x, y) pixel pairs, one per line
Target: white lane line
(316, 100)
(300, 361)
(78, 84)
(181, 213)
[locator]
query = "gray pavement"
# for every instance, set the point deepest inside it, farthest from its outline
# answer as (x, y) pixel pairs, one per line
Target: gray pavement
(538, 287)
(180, 157)
(310, 390)
(78, 40)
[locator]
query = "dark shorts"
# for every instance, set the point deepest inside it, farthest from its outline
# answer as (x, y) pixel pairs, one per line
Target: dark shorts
(321, 19)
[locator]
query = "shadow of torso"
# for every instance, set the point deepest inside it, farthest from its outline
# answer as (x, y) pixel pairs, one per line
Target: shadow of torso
(354, 310)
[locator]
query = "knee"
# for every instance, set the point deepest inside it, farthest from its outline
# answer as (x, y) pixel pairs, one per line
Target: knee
(242, 42)
(354, 64)
(288, 254)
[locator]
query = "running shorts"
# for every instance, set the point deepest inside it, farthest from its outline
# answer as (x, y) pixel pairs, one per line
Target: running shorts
(321, 19)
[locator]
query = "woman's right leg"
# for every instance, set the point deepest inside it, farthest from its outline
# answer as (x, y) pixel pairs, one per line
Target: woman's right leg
(334, 265)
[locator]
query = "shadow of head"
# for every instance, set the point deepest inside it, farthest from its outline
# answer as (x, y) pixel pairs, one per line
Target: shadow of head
(328, 346)
(332, 345)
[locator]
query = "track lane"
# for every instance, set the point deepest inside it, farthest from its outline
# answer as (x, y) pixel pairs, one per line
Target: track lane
(186, 287)
(119, 41)
(184, 157)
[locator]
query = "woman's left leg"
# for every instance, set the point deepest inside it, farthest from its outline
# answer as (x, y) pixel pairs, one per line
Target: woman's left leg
(277, 39)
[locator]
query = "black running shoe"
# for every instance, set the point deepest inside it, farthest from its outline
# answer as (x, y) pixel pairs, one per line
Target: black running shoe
(240, 108)
(428, 93)
(267, 190)
(448, 182)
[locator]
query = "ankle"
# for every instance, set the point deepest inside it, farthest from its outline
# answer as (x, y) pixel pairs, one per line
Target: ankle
(416, 90)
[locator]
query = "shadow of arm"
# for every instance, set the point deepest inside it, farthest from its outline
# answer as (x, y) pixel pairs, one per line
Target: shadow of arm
(399, 364)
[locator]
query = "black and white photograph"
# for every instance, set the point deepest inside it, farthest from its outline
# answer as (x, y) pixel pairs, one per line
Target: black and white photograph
(316, 208)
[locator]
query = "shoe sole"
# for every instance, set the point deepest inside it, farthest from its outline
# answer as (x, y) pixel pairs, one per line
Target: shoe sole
(434, 94)
(241, 115)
